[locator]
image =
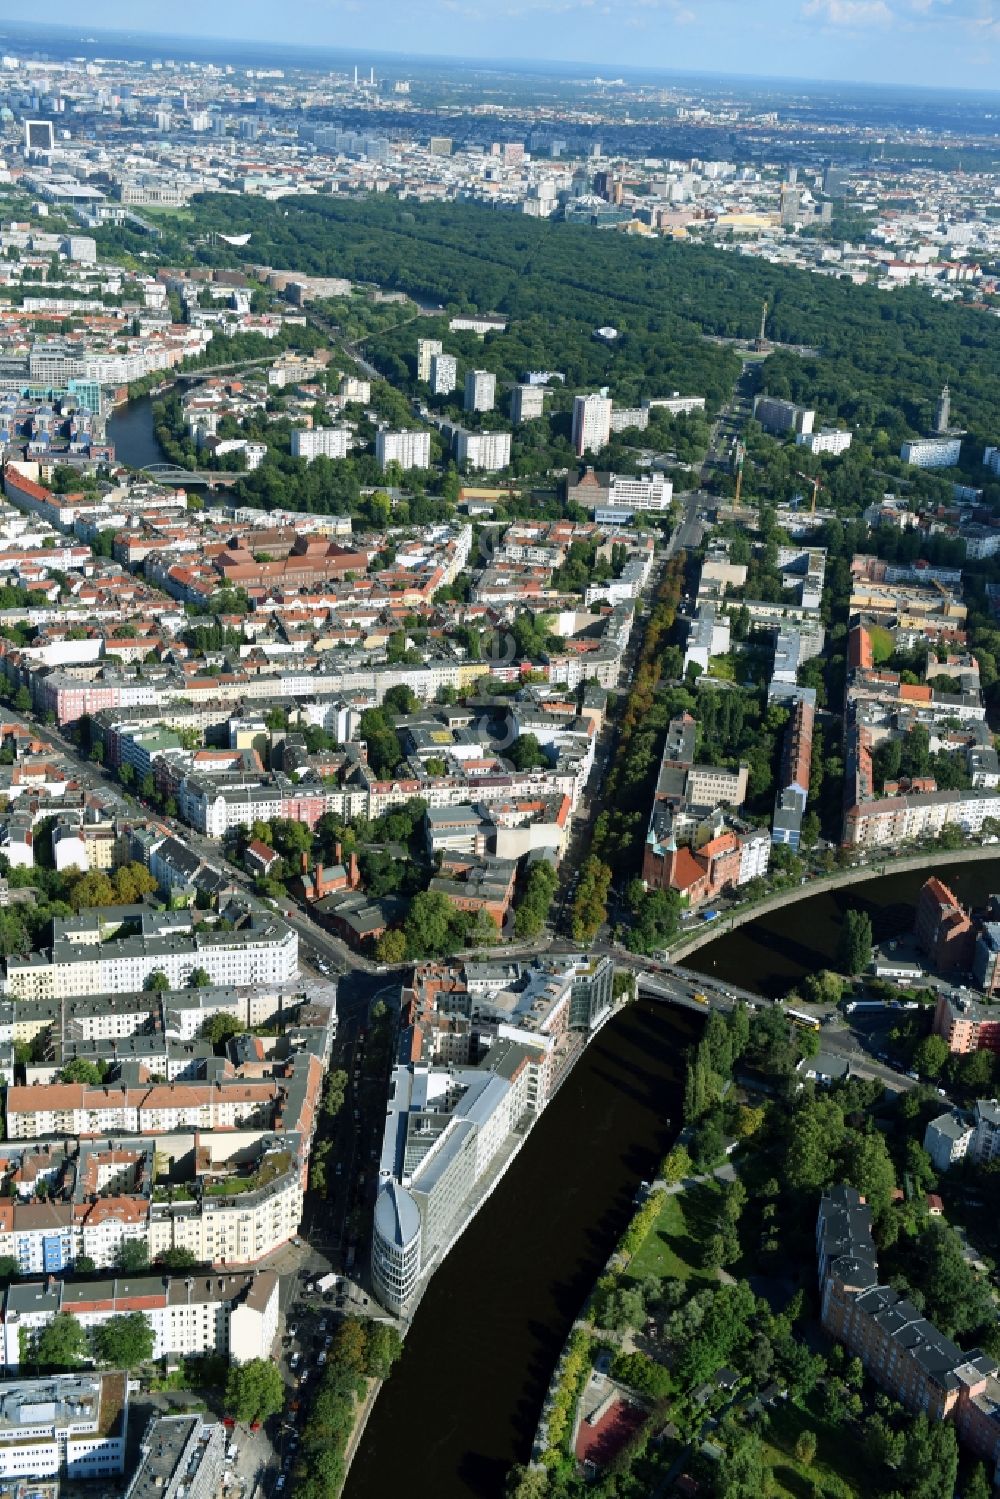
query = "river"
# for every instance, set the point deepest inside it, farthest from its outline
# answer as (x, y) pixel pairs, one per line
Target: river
(463, 1402)
(131, 430)
(770, 955)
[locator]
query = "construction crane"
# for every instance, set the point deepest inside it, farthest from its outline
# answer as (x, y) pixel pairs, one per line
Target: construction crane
(817, 485)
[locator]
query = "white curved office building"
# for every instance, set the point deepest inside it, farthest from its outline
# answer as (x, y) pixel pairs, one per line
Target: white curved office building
(395, 1246)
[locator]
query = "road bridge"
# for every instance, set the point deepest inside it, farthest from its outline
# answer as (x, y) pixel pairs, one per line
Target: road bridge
(171, 473)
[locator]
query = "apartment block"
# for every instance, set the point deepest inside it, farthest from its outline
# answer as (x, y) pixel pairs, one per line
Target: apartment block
(443, 374)
(316, 442)
(407, 448)
(527, 402)
(181, 1457)
(88, 956)
(903, 1352)
(591, 423)
(826, 440)
(480, 390)
(427, 350)
(446, 1125)
(943, 930)
(483, 450)
(783, 416)
(235, 1316)
(932, 452)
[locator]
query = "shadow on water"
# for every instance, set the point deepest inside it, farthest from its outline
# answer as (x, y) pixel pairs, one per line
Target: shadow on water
(463, 1403)
(772, 954)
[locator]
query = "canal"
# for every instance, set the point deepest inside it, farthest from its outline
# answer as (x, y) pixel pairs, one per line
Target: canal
(131, 431)
(463, 1402)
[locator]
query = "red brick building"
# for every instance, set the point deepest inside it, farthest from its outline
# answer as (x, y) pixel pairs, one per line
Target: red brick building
(943, 929)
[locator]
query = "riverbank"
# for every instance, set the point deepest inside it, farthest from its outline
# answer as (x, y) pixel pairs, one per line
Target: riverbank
(689, 942)
(480, 1196)
(498, 1309)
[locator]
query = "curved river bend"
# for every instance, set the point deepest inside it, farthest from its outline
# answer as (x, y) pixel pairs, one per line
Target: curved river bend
(463, 1402)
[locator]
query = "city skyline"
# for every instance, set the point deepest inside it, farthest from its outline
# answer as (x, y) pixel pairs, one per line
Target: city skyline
(926, 43)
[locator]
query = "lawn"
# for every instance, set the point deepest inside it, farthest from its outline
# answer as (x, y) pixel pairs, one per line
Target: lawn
(672, 1248)
(839, 1454)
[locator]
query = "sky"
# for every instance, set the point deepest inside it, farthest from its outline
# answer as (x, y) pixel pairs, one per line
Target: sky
(944, 43)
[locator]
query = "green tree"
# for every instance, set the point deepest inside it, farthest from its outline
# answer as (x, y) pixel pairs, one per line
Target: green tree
(83, 1265)
(254, 1391)
(527, 1483)
(132, 1256)
(350, 1346)
(199, 979)
(854, 950)
(977, 1485)
(61, 1345)
(805, 1447)
(391, 947)
(929, 1467)
(815, 1133)
(220, 1028)
(624, 1308)
(177, 1259)
(80, 1070)
(22, 700)
(930, 1055)
(157, 982)
(433, 927)
(384, 1346)
(676, 1165)
(125, 1342)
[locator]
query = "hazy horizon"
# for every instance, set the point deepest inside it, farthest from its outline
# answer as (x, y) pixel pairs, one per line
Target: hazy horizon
(933, 44)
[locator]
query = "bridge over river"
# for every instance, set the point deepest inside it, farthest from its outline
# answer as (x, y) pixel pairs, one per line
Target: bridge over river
(172, 473)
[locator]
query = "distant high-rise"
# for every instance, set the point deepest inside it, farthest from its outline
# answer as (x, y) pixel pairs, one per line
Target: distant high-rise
(426, 349)
(527, 402)
(591, 423)
(444, 374)
(480, 390)
(943, 416)
(834, 181)
(791, 203)
(39, 135)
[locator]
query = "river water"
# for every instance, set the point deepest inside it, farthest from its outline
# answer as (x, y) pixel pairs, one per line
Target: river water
(131, 430)
(463, 1402)
(771, 955)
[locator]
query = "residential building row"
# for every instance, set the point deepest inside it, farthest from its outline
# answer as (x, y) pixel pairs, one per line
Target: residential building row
(234, 1316)
(902, 1351)
(115, 949)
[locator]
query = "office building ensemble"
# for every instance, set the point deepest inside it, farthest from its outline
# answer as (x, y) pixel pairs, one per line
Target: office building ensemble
(450, 1123)
(181, 1457)
(71, 1426)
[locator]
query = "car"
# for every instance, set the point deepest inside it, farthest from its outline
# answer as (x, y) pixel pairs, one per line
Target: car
(280, 1483)
(321, 1357)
